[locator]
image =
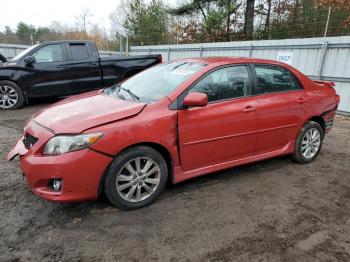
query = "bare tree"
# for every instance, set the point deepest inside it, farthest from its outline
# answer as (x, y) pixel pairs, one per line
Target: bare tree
(118, 16)
(83, 19)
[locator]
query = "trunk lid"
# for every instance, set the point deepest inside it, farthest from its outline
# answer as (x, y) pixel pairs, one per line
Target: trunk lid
(329, 84)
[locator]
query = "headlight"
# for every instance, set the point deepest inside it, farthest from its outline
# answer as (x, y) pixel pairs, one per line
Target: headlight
(67, 143)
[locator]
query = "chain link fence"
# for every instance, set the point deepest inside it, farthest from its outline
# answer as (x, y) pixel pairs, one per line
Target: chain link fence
(304, 25)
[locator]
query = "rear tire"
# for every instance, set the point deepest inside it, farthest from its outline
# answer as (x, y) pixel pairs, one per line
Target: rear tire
(308, 143)
(11, 96)
(136, 178)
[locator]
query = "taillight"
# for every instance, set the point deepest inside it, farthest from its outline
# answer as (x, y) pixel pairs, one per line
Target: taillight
(337, 98)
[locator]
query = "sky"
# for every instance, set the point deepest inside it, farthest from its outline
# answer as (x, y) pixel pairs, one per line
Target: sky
(42, 12)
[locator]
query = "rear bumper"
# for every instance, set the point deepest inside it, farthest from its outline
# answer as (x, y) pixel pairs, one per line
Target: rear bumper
(328, 118)
(80, 171)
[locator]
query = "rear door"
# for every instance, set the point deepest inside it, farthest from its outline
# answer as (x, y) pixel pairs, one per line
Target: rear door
(84, 65)
(49, 75)
(281, 107)
(226, 128)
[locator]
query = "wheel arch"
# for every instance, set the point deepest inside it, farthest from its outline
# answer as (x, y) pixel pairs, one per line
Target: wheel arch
(11, 80)
(319, 120)
(4, 78)
(156, 146)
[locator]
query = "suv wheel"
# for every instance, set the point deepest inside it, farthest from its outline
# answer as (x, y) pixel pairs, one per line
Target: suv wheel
(136, 178)
(11, 96)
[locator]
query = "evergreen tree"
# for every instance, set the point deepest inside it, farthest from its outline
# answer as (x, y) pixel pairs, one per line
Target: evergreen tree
(147, 23)
(26, 33)
(216, 17)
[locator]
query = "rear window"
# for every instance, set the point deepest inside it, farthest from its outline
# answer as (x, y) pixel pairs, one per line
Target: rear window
(275, 79)
(79, 51)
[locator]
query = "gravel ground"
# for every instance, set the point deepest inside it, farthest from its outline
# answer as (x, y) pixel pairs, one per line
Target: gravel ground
(273, 210)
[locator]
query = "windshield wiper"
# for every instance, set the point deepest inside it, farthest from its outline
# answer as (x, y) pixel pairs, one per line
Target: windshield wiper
(116, 89)
(130, 93)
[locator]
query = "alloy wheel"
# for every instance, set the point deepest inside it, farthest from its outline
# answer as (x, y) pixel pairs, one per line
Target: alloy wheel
(8, 97)
(138, 179)
(310, 143)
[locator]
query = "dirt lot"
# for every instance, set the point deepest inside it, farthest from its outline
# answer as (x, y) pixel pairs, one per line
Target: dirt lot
(273, 210)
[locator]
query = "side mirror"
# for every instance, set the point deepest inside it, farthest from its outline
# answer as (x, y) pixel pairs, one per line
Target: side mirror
(29, 60)
(195, 99)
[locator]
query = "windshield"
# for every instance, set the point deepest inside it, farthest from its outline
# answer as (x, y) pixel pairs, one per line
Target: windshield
(156, 82)
(24, 53)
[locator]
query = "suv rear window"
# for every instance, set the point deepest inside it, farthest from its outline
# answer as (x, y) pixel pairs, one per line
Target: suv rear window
(79, 51)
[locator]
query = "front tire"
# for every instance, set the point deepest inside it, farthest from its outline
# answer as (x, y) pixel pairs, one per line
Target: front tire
(136, 178)
(11, 96)
(309, 143)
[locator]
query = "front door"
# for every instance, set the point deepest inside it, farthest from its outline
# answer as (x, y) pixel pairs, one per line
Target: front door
(48, 75)
(226, 128)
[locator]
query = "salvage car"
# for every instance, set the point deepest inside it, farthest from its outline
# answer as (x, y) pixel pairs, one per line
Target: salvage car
(173, 122)
(63, 68)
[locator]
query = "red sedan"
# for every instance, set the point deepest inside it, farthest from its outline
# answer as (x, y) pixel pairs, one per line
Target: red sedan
(174, 121)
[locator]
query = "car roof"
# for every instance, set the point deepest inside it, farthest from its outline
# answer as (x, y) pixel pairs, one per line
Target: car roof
(231, 60)
(67, 41)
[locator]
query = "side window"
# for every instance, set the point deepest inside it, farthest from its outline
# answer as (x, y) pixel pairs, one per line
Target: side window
(49, 54)
(225, 83)
(79, 51)
(275, 79)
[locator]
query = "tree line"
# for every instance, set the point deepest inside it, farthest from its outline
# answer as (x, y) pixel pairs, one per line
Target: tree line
(83, 29)
(233, 20)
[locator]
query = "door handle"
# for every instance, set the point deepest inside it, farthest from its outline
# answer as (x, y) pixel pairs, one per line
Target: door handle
(301, 100)
(248, 109)
(62, 66)
(93, 64)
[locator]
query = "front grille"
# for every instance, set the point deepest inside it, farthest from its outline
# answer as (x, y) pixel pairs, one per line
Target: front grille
(29, 140)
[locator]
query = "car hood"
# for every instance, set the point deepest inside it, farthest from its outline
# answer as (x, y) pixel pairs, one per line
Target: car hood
(81, 112)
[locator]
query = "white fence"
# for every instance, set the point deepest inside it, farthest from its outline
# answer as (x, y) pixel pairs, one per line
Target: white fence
(315, 57)
(10, 50)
